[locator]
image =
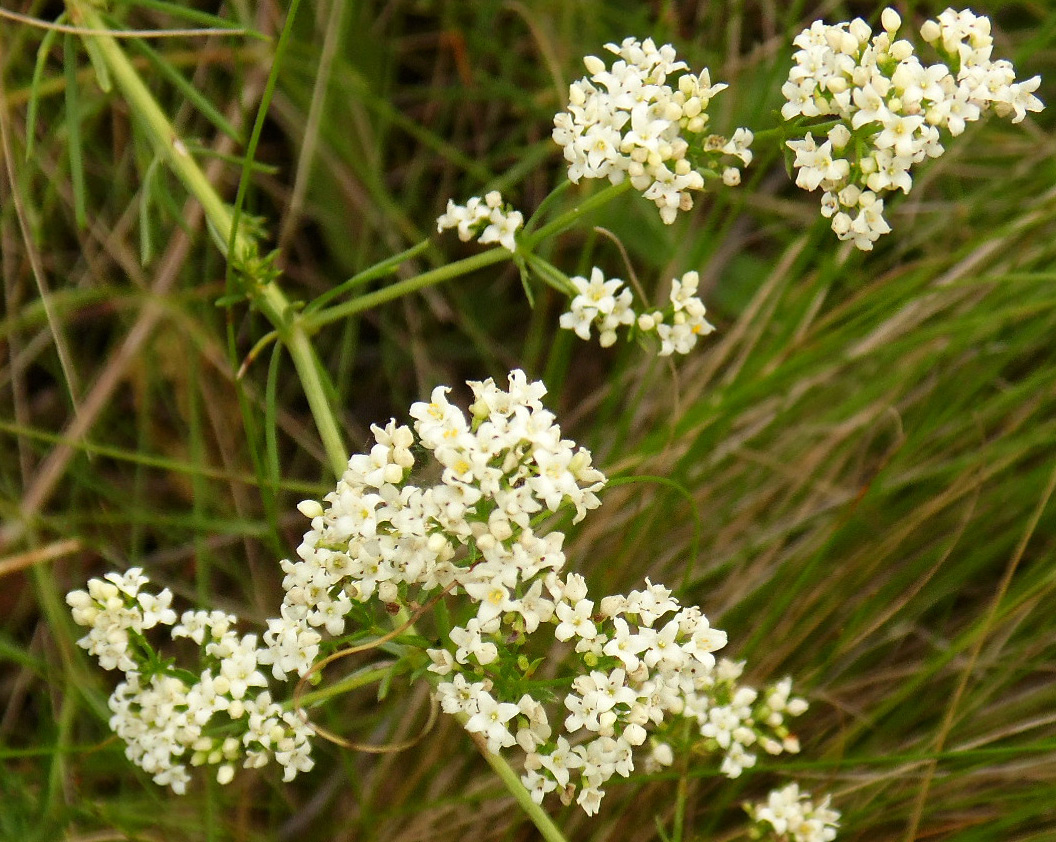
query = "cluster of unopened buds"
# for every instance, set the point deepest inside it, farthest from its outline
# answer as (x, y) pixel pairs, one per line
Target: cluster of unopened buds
(627, 122)
(607, 305)
(488, 219)
(891, 110)
(382, 545)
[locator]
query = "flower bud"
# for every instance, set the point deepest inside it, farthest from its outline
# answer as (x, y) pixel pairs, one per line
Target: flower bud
(901, 50)
(594, 65)
(310, 508)
(634, 734)
(840, 136)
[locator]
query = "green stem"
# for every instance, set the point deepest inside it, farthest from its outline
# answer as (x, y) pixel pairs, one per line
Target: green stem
(790, 131)
(543, 823)
(318, 318)
(266, 295)
(315, 320)
(544, 206)
(378, 270)
(566, 219)
(680, 809)
(678, 829)
(290, 328)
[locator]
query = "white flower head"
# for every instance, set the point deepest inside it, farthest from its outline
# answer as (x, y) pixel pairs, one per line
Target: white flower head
(895, 107)
(487, 219)
(629, 122)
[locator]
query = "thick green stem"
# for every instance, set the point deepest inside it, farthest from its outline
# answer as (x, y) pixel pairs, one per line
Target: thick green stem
(289, 326)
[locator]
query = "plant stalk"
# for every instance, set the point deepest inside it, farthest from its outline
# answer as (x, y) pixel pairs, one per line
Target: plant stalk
(543, 823)
(317, 319)
(265, 293)
(314, 321)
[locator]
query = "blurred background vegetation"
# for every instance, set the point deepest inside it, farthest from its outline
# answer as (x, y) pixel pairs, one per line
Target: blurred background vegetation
(869, 439)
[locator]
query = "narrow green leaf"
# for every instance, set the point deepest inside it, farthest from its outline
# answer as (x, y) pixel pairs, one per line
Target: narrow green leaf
(378, 270)
(73, 128)
(185, 87)
(146, 242)
(46, 46)
(102, 74)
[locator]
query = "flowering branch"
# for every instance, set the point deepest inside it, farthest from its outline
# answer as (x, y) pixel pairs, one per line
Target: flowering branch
(645, 681)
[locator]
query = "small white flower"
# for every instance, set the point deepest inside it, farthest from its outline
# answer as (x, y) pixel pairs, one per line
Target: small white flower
(485, 219)
(490, 721)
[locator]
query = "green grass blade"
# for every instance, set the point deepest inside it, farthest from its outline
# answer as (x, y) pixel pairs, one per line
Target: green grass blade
(46, 45)
(73, 129)
(199, 100)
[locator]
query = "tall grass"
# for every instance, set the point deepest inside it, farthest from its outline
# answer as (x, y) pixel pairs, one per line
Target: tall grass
(868, 443)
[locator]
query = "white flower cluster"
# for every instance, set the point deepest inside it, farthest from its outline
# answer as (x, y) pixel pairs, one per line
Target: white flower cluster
(645, 660)
(487, 219)
(168, 716)
(626, 122)
(793, 817)
(111, 608)
(606, 304)
(472, 531)
(890, 108)
(682, 323)
(646, 663)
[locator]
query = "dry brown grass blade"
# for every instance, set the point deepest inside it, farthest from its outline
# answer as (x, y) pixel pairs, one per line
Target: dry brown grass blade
(973, 656)
(22, 561)
(917, 311)
(33, 255)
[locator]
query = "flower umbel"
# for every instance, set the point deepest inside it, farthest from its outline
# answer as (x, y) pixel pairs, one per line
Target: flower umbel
(168, 717)
(628, 122)
(791, 816)
(892, 110)
(607, 305)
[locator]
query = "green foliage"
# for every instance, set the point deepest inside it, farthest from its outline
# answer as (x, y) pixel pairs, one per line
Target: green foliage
(867, 442)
